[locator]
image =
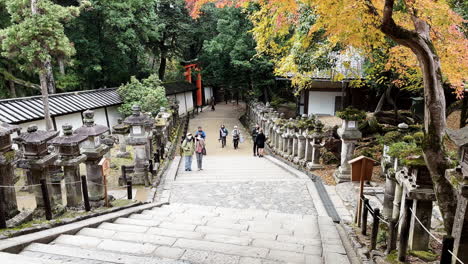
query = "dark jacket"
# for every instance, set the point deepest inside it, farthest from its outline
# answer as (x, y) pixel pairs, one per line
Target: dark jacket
(254, 134)
(260, 140)
(221, 131)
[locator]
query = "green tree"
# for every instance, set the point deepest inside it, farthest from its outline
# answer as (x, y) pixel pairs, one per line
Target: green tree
(148, 93)
(35, 37)
(229, 58)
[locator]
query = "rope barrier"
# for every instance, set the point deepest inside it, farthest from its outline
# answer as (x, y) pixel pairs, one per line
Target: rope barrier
(435, 238)
(459, 260)
(383, 220)
(425, 229)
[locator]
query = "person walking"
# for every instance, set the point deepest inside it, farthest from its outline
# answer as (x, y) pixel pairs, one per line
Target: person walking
(223, 133)
(200, 151)
(188, 147)
(254, 138)
(260, 140)
(200, 132)
(236, 134)
(213, 103)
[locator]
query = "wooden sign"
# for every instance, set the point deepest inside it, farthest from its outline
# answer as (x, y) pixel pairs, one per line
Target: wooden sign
(105, 168)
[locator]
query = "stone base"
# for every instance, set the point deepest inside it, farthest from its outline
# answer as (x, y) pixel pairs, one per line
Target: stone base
(312, 166)
(296, 160)
(342, 176)
(140, 179)
(124, 155)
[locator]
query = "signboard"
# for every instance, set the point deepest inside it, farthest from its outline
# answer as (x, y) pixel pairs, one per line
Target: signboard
(105, 168)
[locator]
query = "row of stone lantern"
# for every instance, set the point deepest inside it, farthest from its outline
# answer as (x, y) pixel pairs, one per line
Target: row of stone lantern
(45, 155)
(298, 144)
(149, 138)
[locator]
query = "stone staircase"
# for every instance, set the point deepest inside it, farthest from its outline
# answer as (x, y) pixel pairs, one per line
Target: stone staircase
(187, 233)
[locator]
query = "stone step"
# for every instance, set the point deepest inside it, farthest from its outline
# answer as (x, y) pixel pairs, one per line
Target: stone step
(83, 255)
(7, 258)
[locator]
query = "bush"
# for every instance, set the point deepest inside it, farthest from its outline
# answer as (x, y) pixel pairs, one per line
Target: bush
(410, 154)
(351, 114)
(389, 138)
(408, 139)
(149, 94)
(328, 158)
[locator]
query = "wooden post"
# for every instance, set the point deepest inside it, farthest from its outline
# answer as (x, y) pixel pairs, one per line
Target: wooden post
(129, 190)
(447, 244)
(364, 217)
(392, 236)
(45, 197)
(404, 233)
(150, 166)
(361, 189)
(375, 228)
(84, 188)
(3, 223)
(124, 173)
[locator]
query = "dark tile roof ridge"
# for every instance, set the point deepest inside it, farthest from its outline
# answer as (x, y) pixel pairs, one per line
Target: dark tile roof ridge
(57, 95)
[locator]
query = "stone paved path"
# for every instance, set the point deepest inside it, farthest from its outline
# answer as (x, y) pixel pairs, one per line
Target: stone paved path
(239, 210)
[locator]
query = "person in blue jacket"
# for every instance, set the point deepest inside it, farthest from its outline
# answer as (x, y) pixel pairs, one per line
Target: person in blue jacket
(223, 133)
(200, 132)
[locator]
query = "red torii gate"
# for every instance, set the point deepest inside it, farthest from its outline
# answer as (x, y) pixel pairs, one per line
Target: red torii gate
(188, 78)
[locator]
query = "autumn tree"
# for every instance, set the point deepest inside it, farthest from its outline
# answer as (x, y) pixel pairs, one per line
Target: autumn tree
(428, 39)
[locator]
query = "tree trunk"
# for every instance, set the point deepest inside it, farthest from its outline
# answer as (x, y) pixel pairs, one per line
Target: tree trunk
(11, 85)
(45, 98)
(50, 77)
(163, 62)
(61, 66)
(385, 97)
(464, 112)
(420, 43)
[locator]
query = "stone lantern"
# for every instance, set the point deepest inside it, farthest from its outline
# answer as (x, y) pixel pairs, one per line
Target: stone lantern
(459, 180)
(138, 138)
(7, 161)
(37, 159)
(70, 159)
(121, 130)
(94, 151)
(316, 145)
(349, 134)
(159, 136)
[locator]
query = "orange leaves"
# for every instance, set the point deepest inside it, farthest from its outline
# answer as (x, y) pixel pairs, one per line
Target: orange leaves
(357, 23)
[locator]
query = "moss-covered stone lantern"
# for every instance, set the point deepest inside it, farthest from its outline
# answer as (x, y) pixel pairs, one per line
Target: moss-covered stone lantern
(37, 159)
(138, 138)
(121, 130)
(7, 163)
(70, 159)
(94, 150)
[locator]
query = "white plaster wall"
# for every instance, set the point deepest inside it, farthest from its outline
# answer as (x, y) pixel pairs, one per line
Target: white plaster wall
(41, 125)
(72, 119)
(208, 94)
(180, 98)
(190, 102)
(113, 114)
(100, 116)
(322, 102)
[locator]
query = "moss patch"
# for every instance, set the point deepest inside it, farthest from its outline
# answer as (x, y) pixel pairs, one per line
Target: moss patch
(424, 255)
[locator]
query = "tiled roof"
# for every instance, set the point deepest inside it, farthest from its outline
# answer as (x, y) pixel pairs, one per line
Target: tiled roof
(24, 109)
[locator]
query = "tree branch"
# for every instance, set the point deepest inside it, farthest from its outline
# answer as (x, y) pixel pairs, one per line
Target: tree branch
(9, 77)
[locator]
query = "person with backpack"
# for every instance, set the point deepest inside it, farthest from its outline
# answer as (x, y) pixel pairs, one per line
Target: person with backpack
(200, 151)
(236, 134)
(200, 132)
(260, 140)
(223, 133)
(254, 138)
(188, 147)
